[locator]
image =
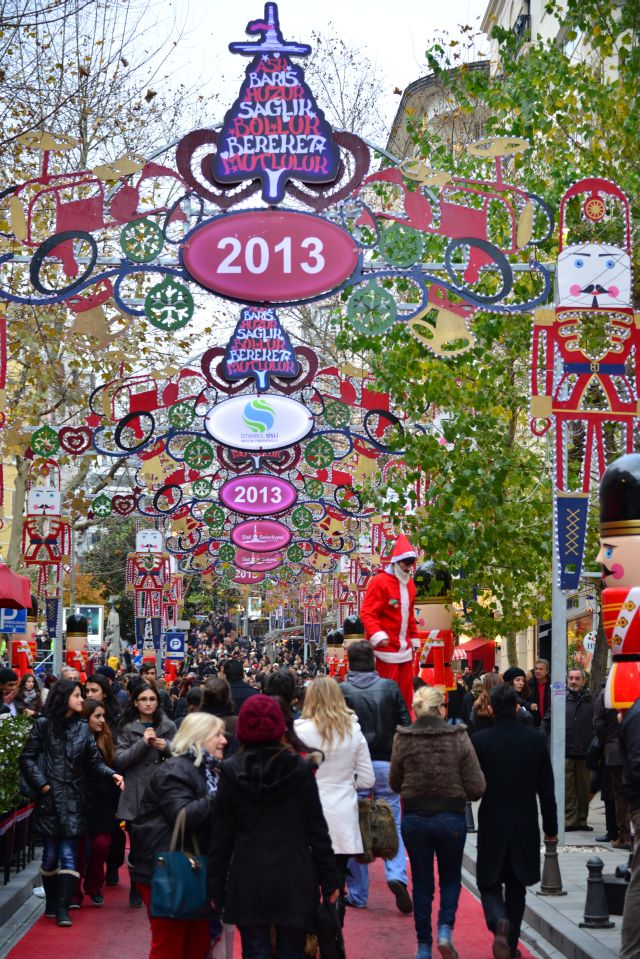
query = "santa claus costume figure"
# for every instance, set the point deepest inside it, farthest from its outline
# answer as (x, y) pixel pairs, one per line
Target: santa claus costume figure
(389, 619)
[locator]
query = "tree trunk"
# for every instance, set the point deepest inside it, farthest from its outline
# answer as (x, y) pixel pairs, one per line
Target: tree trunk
(601, 652)
(15, 541)
(512, 649)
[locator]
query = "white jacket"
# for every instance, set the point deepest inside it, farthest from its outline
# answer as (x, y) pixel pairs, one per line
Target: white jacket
(346, 767)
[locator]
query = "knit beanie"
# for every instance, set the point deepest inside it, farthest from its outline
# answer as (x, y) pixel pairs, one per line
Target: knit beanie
(260, 720)
(510, 674)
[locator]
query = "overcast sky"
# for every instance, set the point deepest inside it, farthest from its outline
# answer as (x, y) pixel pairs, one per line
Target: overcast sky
(394, 34)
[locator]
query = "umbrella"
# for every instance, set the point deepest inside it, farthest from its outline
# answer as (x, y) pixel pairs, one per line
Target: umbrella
(15, 591)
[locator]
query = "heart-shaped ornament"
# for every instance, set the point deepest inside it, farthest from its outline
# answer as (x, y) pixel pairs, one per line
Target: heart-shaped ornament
(75, 439)
(123, 504)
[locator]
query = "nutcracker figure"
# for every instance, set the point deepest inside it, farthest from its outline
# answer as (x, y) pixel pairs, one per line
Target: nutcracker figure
(46, 539)
(584, 357)
(389, 619)
(620, 558)
(172, 601)
(434, 660)
(148, 576)
(77, 654)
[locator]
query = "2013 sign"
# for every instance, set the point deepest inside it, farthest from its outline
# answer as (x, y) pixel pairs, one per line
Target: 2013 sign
(258, 495)
(264, 256)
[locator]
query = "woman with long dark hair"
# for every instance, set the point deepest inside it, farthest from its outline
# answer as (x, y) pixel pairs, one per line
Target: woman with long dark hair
(98, 688)
(101, 804)
(144, 742)
(29, 698)
(54, 762)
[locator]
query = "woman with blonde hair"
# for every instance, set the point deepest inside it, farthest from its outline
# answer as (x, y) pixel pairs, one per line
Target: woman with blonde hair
(329, 726)
(185, 781)
(481, 713)
(435, 769)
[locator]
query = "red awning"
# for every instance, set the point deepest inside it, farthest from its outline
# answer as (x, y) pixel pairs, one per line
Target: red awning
(461, 651)
(15, 591)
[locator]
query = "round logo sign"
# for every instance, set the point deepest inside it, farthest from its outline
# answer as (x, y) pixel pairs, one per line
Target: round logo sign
(256, 423)
(262, 256)
(261, 536)
(257, 562)
(258, 495)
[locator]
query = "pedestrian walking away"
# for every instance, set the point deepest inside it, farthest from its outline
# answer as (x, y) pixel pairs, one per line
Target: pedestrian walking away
(380, 708)
(508, 834)
(435, 770)
(270, 847)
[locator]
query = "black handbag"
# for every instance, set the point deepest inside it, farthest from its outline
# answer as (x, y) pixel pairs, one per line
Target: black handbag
(24, 785)
(594, 756)
(179, 879)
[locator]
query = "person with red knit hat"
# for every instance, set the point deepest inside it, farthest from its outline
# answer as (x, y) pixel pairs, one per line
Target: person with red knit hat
(389, 619)
(270, 854)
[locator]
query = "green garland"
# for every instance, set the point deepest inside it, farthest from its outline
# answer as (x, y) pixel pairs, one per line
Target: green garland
(14, 733)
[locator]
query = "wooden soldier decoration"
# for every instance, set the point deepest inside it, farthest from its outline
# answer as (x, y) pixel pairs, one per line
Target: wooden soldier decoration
(148, 577)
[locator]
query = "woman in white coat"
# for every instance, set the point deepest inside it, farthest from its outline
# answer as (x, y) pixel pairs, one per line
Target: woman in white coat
(328, 725)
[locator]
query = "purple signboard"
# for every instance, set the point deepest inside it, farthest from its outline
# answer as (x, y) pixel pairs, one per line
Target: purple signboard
(257, 562)
(259, 347)
(270, 256)
(274, 131)
(261, 536)
(257, 494)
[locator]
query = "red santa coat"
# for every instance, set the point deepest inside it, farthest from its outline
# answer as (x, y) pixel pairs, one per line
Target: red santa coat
(388, 618)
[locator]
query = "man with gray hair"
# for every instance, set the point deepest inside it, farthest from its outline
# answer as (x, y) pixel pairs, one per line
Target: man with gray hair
(579, 733)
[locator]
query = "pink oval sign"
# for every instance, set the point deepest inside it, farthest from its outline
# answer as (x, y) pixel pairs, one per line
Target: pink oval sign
(257, 562)
(261, 536)
(258, 495)
(270, 256)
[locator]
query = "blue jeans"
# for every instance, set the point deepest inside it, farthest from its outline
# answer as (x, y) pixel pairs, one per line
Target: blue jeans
(63, 849)
(256, 942)
(394, 869)
(444, 834)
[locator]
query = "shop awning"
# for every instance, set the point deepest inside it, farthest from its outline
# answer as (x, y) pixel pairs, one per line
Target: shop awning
(15, 591)
(472, 645)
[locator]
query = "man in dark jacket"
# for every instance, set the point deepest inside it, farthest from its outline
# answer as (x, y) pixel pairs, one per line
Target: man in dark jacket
(606, 727)
(380, 707)
(630, 756)
(579, 733)
(540, 692)
(508, 834)
(240, 691)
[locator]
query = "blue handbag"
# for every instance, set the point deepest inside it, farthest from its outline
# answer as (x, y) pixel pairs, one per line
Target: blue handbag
(179, 879)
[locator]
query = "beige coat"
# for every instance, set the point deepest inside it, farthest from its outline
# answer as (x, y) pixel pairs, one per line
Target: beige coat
(346, 767)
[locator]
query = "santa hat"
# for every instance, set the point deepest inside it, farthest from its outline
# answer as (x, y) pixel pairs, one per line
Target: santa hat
(402, 550)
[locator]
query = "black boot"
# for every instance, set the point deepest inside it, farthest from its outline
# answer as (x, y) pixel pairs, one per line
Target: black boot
(135, 899)
(50, 884)
(66, 885)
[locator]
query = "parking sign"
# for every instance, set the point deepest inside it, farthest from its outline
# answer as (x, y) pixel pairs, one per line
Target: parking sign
(13, 620)
(174, 644)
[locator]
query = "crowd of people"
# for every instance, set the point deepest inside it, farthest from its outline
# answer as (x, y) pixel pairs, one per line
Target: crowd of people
(266, 761)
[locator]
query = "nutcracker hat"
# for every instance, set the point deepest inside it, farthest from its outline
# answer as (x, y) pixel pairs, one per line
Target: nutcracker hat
(620, 497)
(402, 550)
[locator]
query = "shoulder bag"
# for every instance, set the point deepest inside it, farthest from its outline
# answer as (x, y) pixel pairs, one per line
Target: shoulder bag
(378, 830)
(179, 879)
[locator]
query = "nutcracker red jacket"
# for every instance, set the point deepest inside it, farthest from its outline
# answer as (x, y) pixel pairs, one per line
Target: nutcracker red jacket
(389, 619)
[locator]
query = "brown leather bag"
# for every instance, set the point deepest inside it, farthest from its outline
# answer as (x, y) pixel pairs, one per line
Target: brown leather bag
(378, 830)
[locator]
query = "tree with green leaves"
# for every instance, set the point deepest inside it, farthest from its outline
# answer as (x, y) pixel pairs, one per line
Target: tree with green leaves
(486, 499)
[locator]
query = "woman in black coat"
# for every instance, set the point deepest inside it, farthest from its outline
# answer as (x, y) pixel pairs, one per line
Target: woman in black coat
(270, 847)
(59, 753)
(508, 833)
(186, 782)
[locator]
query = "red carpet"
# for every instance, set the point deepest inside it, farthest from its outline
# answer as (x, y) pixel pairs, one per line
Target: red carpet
(378, 932)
